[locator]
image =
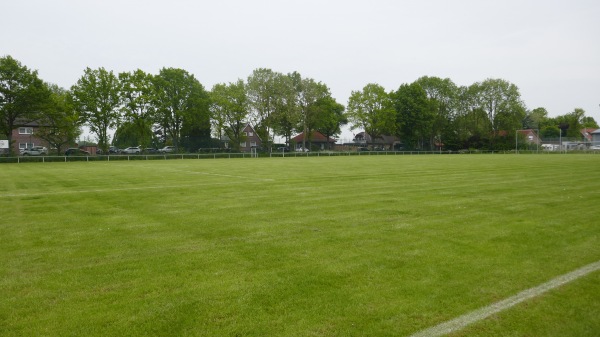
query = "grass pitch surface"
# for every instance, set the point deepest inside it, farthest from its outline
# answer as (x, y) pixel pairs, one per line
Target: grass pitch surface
(340, 246)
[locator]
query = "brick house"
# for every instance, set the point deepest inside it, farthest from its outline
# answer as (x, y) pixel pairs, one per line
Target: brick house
(317, 140)
(23, 136)
(252, 139)
(531, 136)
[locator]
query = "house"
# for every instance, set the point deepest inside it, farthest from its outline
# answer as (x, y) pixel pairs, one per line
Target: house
(595, 137)
(24, 137)
(531, 136)
(316, 139)
(385, 142)
(252, 139)
(587, 134)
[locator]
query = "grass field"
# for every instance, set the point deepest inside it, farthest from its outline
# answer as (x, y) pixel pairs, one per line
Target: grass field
(340, 246)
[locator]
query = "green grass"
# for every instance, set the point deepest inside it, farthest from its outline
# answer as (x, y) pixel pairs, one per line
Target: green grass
(340, 246)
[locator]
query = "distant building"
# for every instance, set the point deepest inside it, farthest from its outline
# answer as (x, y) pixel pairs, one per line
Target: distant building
(595, 137)
(531, 136)
(251, 140)
(317, 139)
(24, 136)
(385, 142)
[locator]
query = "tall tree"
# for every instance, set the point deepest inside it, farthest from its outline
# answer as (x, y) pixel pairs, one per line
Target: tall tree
(502, 102)
(137, 98)
(372, 110)
(286, 113)
(309, 93)
(261, 95)
(536, 118)
(180, 101)
(97, 99)
(230, 106)
(329, 117)
(22, 95)
(59, 122)
(415, 118)
(442, 96)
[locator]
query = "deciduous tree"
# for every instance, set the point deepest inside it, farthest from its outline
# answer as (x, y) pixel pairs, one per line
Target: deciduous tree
(138, 109)
(372, 110)
(230, 106)
(59, 122)
(181, 101)
(22, 95)
(96, 98)
(415, 117)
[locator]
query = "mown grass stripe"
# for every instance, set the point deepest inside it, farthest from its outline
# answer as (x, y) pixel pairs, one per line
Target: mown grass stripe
(485, 312)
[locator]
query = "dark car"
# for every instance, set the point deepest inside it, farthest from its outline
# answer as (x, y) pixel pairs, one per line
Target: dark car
(283, 149)
(150, 150)
(76, 152)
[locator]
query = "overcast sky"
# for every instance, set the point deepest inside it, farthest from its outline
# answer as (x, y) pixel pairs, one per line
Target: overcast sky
(550, 49)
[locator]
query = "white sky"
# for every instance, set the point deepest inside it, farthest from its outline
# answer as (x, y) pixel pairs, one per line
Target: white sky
(550, 49)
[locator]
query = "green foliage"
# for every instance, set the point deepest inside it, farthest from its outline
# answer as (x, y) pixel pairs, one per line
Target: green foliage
(96, 97)
(286, 113)
(182, 105)
(262, 89)
(22, 95)
(372, 110)
(415, 116)
(60, 123)
(329, 116)
(230, 108)
(138, 108)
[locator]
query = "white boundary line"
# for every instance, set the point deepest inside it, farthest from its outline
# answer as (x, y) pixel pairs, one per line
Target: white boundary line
(483, 313)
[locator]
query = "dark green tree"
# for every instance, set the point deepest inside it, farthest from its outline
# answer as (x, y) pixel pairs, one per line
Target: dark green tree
(286, 113)
(309, 93)
(261, 92)
(414, 115)
(22, 95)
(138, 110)
(442, 100)
(329, 117)
(182, 107)
(502, 103)
(230, 106)
(59, 122)
(96, 98)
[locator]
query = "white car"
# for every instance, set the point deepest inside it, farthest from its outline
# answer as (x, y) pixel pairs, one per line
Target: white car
(595, 147)
(167, 149)
(132, 150)
(34, 151)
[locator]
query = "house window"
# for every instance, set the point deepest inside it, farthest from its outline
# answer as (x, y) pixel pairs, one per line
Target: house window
(253, 144)
(250, 134)
(243, 144)
(23, 146)
(25, 131)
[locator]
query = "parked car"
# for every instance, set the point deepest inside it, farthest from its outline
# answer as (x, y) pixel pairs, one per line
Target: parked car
(76, 152)
(150, 150)
(132, 150)
(302, 149)
(35, 151)
(595, 147)
(167, 149)
(283, 149)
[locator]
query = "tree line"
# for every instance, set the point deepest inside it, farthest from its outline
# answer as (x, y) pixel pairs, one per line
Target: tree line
(173, 108)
